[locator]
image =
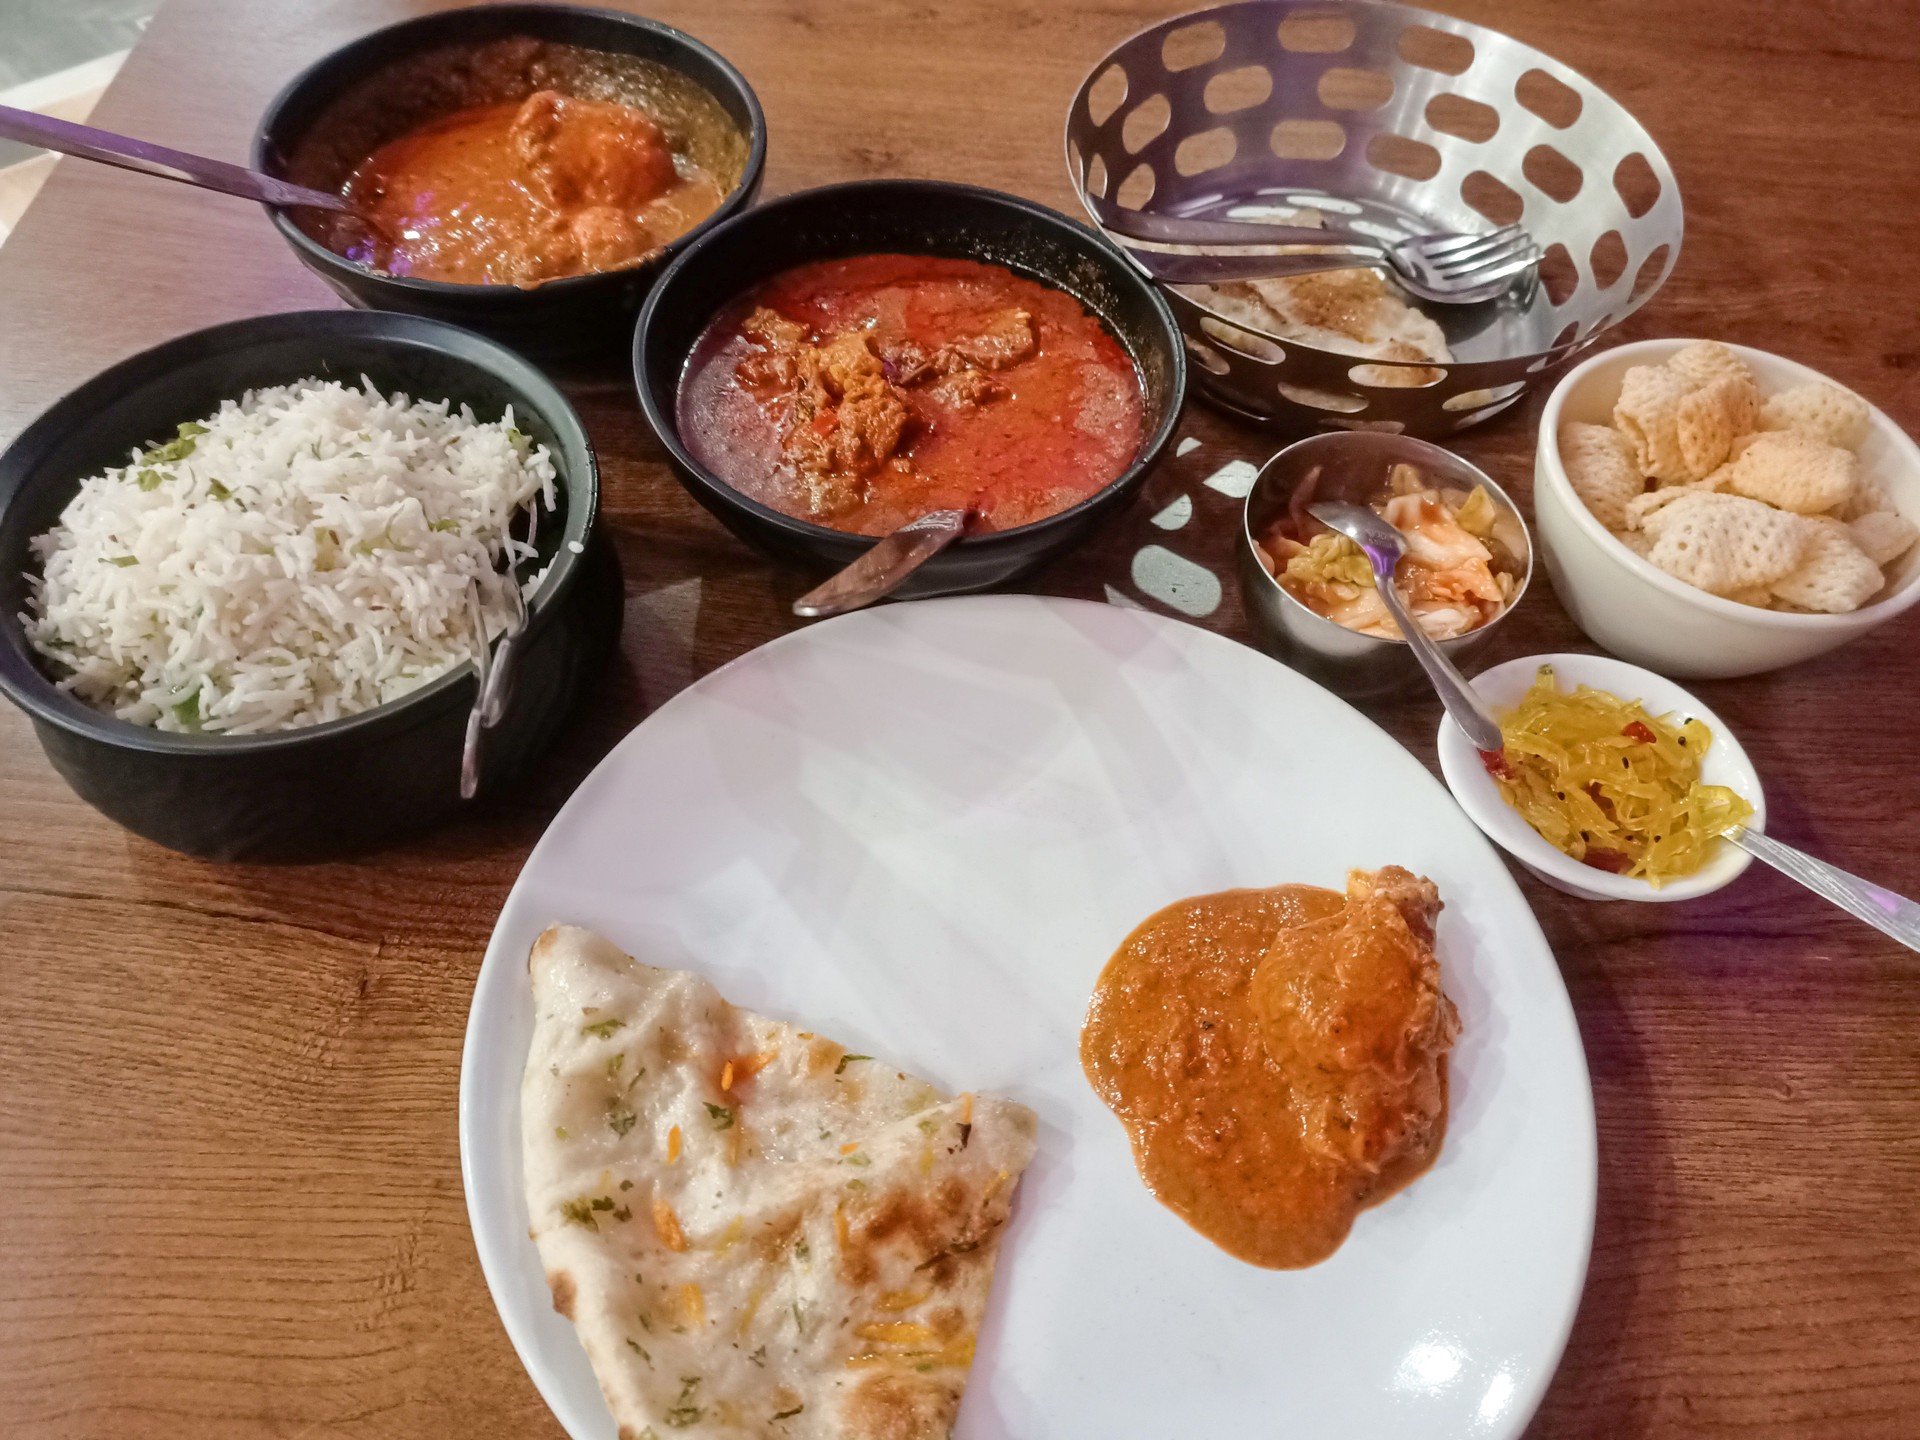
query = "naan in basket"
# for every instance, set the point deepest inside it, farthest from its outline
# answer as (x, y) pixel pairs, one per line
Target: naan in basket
(755, 1232)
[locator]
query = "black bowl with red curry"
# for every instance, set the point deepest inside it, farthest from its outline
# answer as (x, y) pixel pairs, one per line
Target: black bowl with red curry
(837, 363)
(524, 170)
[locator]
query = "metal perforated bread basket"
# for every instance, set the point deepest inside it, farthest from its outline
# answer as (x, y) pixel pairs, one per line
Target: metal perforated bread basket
(1390, 122)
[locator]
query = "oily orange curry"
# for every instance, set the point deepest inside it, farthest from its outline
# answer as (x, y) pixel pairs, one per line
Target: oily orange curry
(516, 162)
(864, 393)
(521, 192)
(1279, 1058)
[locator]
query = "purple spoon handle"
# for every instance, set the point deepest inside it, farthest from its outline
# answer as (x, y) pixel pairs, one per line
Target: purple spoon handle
(129, 154)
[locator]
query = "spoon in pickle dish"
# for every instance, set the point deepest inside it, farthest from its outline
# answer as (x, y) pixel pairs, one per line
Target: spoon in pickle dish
(130, 154)
(1887, 912)
(885, 567)
(1383, 545)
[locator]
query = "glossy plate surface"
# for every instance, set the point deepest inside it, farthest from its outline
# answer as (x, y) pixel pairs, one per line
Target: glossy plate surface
(922, 830)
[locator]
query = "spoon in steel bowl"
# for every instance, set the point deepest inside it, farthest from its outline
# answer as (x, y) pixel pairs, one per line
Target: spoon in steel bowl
(885, 568)
(1383, 546)
(130, 154)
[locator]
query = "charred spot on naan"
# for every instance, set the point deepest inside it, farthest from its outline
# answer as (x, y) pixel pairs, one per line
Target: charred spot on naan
(561, 1284)
(942, 1234)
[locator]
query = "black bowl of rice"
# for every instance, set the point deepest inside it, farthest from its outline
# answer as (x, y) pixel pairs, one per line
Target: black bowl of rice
(242, 575)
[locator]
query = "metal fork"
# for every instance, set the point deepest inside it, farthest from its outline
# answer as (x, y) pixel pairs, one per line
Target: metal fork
(1449, 267)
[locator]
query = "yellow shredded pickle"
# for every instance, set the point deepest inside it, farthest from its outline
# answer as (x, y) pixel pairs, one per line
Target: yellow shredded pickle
(1611, 785)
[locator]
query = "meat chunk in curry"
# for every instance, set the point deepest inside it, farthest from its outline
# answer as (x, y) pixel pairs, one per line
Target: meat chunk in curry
(1354, 1004)
(846, 415)
(865, 392)
(1278, 1057)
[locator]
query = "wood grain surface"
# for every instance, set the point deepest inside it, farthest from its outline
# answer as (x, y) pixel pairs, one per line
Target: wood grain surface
(230, 1198)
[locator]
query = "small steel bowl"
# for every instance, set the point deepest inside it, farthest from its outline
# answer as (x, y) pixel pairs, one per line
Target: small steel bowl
(1354, 467)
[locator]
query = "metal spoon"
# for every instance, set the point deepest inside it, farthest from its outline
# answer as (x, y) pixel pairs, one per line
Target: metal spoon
(1887, 912)
(885, 568)
(1383, 546)
(130, 154)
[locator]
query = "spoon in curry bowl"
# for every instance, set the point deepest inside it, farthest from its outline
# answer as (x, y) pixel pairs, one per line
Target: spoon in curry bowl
(1383, 545)
(885, 567)
(130, 154)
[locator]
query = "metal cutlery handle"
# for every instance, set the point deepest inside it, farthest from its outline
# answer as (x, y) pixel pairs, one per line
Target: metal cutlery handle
(1215, 269)
(1465, 708)
(1887, 912)
(885, 566)
(1174, 230)
(130, 154)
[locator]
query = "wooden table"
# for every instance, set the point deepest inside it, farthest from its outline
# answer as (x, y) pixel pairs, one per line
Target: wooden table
(230, 1199)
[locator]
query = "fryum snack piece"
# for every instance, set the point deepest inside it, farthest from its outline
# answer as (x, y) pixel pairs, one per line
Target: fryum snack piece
(1833, 576)
(1870, 496)
(1823, 411)
(754, 1232)
(1882, 536)
(1638, 541)
(1641, 506)
(1599, 466)
(1725, 543)
(1794, 471)
(1711, 418)
(1705, 361)
(1648, 414)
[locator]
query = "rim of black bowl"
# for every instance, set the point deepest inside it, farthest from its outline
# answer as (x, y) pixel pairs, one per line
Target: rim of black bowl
(665, 422)
(23, 681)
(500, 17)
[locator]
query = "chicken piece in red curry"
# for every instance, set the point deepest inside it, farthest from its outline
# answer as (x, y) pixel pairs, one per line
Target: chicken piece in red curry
(864, 393)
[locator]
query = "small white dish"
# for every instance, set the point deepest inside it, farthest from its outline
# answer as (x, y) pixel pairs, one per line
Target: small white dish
(1726, 764)
(1641, 613)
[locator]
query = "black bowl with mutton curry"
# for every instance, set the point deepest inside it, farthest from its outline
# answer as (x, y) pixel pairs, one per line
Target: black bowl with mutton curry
(830, 366)
(525, 170)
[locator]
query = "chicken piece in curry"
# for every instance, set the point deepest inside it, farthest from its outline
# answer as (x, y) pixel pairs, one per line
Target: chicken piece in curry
(1279, 1057)
(526, 191)
(864, 393)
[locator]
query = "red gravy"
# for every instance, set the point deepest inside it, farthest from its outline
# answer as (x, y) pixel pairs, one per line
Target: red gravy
(863, 393)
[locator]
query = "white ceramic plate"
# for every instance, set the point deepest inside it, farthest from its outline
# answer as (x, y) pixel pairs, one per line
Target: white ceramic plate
(922, 830)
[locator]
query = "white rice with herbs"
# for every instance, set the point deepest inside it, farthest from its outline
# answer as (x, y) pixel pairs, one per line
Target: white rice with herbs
(304, 554)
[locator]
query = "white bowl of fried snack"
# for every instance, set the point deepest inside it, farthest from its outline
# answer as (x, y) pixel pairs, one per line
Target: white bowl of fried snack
(1709, 510)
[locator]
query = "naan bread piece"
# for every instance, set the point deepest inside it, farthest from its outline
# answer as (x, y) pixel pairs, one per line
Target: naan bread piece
(1351, 312)
(755, 1232)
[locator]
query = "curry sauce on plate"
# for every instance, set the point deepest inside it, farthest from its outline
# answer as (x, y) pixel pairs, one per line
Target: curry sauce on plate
(1279, 1058)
